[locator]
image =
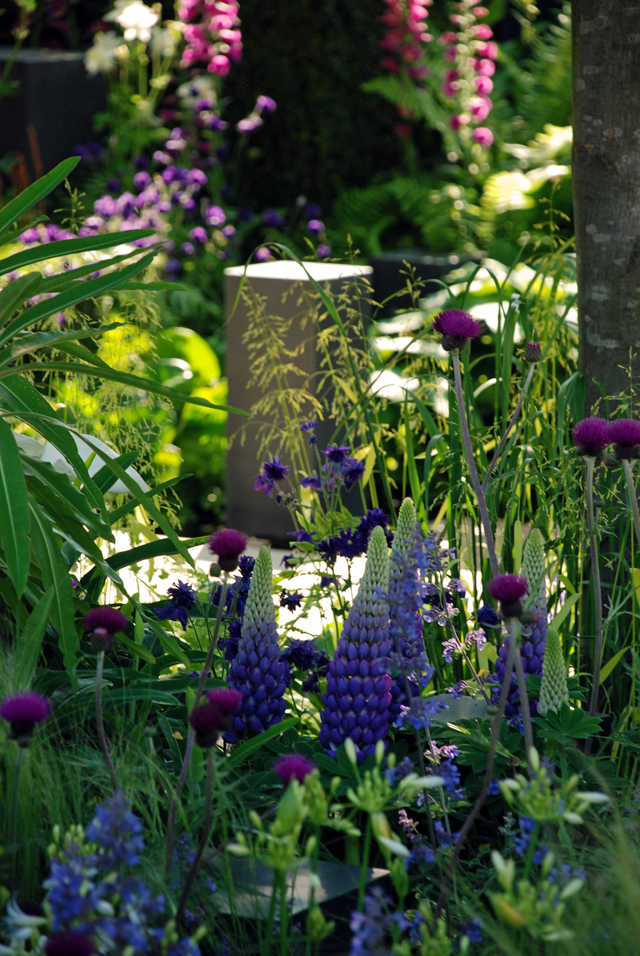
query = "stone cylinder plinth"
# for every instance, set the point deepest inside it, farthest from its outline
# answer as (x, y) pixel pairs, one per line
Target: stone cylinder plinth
(285, 291)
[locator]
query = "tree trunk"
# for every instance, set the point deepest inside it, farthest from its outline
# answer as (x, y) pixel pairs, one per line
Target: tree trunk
(606, 193)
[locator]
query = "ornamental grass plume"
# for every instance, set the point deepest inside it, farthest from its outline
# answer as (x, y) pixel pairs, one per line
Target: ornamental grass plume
(456, 328)
(553, 687)
(358, 691)
(257, 669)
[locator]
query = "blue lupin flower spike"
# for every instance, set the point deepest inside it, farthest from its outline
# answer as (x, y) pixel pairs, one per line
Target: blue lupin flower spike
(257, 670)
(359, 686)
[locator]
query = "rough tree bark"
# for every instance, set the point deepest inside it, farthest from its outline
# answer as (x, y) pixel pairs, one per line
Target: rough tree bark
(606, 191)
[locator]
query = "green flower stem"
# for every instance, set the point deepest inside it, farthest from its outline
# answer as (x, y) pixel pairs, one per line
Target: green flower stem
(271, 916)
(101, 734)
(533, 843)
(503, 440)
(475, 481)
(283, 914)
(204, 838)
(597, 595)
(513, 625)
(365, 865)
(312, 895)
(633, 498)
(14, 803)
(524, 703)
(188, 751)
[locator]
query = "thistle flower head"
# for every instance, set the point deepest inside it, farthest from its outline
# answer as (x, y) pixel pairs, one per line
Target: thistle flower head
(69, 943)
(214, 714)
(553, 687)
(104, 622)
(22, 712)
(509, 589)
(456, 328)
(591, 435)
(228, 544)
(293, 765)
(533, 352)
(624, 434)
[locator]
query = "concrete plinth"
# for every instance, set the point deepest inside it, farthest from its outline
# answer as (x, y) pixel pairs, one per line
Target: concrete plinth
(289, 294)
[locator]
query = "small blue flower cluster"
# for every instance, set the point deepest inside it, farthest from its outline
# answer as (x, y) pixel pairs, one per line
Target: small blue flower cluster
(235, 602)
(306, 656)
(90, 890)
(351, 543)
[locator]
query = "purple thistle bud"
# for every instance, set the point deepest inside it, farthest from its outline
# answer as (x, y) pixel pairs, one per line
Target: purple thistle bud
(624, 433)
(591, 435)
(257, 670)
(228, 544)
(533, 352)
(69, 944)
(456, 328)
(104, 622)
(358, 691)
(22, 712)
(509, 589)
(293, 765)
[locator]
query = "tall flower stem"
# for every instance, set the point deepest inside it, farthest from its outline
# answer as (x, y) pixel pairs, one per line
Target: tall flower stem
(188, 750)
(514, 633)
(14, 803)
(512, 421)
(473, 472)
(633, 499)
(524, 703)
(365, 864)
(597, 595)
(104, 747)
(204, 838)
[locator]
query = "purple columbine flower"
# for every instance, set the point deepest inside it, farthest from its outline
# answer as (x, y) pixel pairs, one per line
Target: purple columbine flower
(308, 426)
(337, 453)
(293, 765)
(257, 670)
(198, 234)
(624, 434)
(591, 435)
(274, 470)
(22, 712)
(181, 600)
(228, 544)
(359, 686)
(456, 328)
(104, 622)
(488, 616)
(509, 589)
(323, 251)
(69, 943)
(291, 600)
(351, 471)
(312, 481)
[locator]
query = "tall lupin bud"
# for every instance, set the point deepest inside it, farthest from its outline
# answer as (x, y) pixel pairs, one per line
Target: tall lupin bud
(553, 688)
(405, 619)
(257, 670)
(358, 685)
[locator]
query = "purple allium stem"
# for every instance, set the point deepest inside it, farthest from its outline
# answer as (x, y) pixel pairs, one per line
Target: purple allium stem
(204, 838)
(104, 747)
(514, 634)
(475, 481)
(503, 440)
(524, 703)
(633, 498)
(188, 751)
(597, 595)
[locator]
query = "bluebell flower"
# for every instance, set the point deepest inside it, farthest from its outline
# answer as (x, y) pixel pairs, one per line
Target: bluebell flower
(369, 928)
(181, 599)
(444, 838)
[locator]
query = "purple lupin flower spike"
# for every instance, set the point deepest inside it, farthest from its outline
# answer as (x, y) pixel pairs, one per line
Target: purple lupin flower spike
(404, 603)
(359, 686)
(257, 669)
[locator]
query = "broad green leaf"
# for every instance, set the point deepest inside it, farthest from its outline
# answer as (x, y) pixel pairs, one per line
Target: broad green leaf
(18, 396)
(104, 478)
(138, 649)
(55, 576)
(34, 193)
(14, 511)
(59, 485)
(154, 549)
(69, 247)
(564, 610)
(128, 506)
(611, 664)
(28, 647)
(130, 286)
(17, 293)
(170, 643)
(30, 342)
(117, 696)
(67, 280)
(635, 580)
(254, 743)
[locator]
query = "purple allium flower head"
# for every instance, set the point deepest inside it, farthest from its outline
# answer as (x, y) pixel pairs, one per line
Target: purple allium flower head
(456, 328)
(591, 435)
(323, 251)
(104, 622)
(351, 471)
(263, 254)
(69, 943)
(293, 765)
(141, 180)
(215, 216)
(358, 685)
(228, 544)
(257, 670)
(315, 226)
(198, 234)
(533, 352)
(337, 453)
(624, 434)
(23, 711)
(509, 589)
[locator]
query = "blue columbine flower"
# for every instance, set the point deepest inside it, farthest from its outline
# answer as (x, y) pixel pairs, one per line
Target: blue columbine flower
(311, 481)
(487, 616)
(337, 453)
(291, 599)
(181, 599)
(351, 471)
(257, 670)
(358, 687)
